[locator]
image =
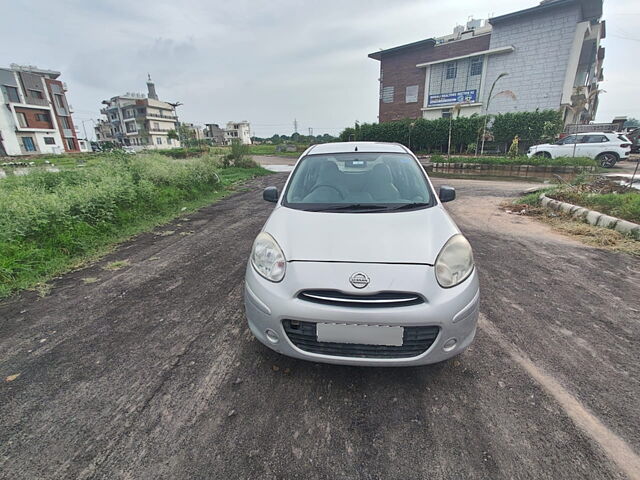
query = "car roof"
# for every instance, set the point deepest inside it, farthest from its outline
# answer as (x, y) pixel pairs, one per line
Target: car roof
(347, 147)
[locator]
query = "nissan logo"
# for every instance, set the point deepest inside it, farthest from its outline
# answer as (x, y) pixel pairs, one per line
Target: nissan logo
(359, 280)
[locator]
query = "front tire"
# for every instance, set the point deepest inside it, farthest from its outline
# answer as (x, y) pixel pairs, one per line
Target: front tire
(607, 159)
(543, 154)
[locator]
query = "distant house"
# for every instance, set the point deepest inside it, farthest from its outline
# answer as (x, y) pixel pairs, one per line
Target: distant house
(214, 133)
(36, 117)
(238, 131)
(138, 120)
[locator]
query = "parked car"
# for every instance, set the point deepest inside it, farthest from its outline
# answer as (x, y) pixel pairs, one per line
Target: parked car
(359, 262)
(605, 148)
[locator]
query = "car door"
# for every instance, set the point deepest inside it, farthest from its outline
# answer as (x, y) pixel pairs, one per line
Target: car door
(564, 147)
(592, 145)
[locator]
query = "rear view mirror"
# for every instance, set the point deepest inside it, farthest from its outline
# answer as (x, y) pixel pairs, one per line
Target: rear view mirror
(447, 194)
(270, 194)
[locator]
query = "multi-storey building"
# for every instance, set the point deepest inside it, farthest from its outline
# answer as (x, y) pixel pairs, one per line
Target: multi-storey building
(238, 131)
(550, 53)
(194, 131)
(37, 118)
(138, 120)
(214, 133)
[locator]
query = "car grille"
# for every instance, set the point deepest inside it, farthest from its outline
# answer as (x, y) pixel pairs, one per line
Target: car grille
(415, 341)
(378, 300)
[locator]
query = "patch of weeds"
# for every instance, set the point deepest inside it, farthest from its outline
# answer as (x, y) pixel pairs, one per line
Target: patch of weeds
(591, 235)
(43, 289)
(117, 265)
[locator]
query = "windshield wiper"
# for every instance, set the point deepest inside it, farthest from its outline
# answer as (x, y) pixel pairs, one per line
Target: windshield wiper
(410, 206)
(351, 206)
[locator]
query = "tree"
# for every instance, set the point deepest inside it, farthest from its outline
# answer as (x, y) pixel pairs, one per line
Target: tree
(490, 97)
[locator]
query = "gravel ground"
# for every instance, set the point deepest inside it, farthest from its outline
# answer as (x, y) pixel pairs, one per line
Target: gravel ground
(151, 372)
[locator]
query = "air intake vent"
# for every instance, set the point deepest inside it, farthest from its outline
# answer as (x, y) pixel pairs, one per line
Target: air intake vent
(378, 300)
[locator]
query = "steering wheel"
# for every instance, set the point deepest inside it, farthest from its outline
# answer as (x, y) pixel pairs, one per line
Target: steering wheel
(315, 187)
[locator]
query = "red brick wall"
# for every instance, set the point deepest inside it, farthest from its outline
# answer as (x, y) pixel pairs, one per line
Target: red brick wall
(32, 118)
(399, 71)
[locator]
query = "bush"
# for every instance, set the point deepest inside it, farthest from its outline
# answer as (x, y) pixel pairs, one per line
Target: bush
(432, 135)
(47, 219)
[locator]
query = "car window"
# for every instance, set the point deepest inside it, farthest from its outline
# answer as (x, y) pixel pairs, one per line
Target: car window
(595, 139)
(566, 140)
(380, 180)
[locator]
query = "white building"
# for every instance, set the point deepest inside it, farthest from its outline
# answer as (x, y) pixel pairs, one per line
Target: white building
(139, 121)
(35, 118)
(238, 131)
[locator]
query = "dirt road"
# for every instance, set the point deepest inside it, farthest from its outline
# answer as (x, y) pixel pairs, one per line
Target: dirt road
(149, 372)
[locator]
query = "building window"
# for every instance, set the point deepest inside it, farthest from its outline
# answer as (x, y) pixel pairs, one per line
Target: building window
(411, 94)
(452, 70)
(476, 66)
(65, 122)
(387, 94)
(168, 141)
(12, 93)
(446, 113)
(43, 117)
(156, 126)
(131, 127)
(36, 94)
(71, 145)
(28, 144)
(59, 100)
(22, 120)
(159, 140)
(49, 140)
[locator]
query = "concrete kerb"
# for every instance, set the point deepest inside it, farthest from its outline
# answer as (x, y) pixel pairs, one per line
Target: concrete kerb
(592, 217)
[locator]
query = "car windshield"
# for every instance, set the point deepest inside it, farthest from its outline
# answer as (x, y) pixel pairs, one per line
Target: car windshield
(358, 182)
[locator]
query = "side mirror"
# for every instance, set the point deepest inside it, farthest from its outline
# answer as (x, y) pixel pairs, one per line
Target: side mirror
(270, 194)
(447, 194)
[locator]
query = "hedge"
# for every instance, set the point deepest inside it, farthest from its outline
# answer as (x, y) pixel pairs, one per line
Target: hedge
(423, 135)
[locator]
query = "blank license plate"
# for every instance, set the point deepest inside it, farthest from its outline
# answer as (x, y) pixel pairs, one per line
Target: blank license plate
(360, 334)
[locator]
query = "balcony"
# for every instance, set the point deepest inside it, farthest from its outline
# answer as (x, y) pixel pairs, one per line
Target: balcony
(160, 115)
(160, 130)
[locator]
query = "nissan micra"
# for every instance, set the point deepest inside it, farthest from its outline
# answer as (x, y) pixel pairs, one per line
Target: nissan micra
(360, 264)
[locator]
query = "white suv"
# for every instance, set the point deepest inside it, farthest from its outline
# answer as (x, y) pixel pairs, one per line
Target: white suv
(606, 148)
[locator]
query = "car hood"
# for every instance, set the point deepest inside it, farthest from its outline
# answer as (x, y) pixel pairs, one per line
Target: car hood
(394, 237)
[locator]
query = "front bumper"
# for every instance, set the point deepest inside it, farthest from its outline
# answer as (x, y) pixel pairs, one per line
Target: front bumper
(453, 310)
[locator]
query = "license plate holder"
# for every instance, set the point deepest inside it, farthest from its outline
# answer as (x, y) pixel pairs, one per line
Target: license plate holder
(360, 334)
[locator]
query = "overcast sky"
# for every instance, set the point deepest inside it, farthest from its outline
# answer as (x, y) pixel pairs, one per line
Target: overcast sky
(266, 62)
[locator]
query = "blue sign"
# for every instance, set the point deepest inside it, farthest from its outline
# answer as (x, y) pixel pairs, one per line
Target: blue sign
(469, 96)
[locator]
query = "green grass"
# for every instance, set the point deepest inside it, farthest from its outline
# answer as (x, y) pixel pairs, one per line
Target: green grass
(53, 222)
(271, 150)
(523, 160)
(621, 205)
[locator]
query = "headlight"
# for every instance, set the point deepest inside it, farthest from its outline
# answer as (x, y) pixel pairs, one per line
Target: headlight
(455, 262)
(267, 258)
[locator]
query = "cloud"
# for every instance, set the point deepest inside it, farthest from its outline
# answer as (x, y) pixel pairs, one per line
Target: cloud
(267, 62)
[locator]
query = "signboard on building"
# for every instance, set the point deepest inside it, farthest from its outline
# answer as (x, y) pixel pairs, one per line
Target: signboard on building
(469, 96)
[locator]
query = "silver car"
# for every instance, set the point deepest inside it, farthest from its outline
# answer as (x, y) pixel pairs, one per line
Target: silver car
(360, 264)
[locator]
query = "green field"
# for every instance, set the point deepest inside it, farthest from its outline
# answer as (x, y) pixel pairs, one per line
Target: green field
(52, 222)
